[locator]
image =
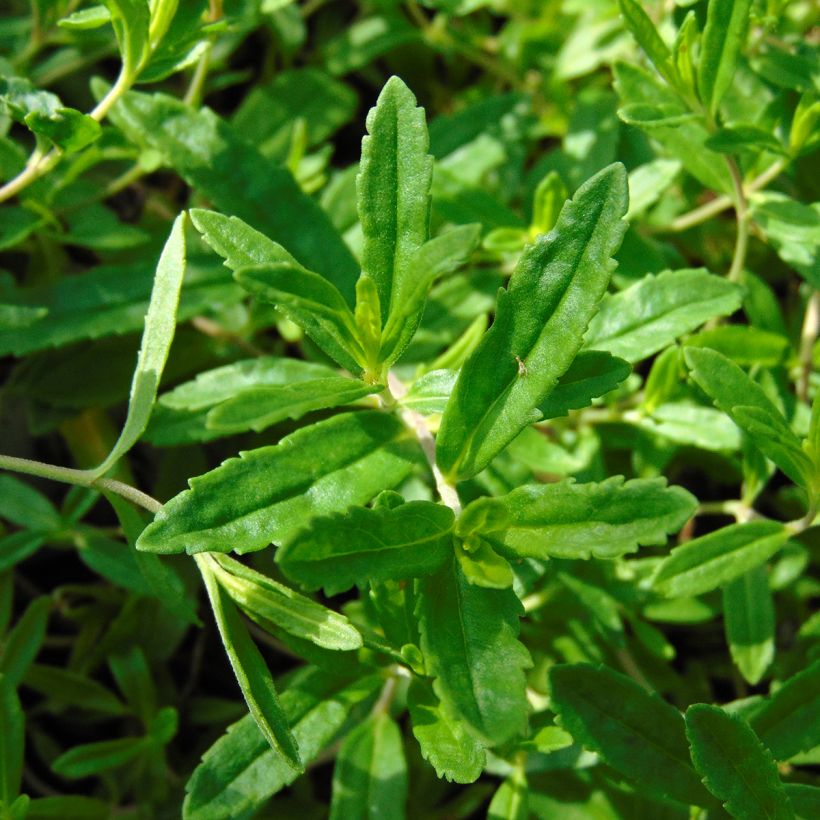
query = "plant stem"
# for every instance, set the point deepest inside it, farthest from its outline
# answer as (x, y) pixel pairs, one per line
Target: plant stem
(723, 203)
(415, 421)
(40, 163)
(81, 478)
(808, 336)
(742, 214)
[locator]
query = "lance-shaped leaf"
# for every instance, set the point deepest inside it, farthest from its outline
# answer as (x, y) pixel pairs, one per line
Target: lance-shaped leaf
(160, 324)
(723, 39)
(539, 326)
(362, 545)
(643, 30)
(251, 671)
(131, 19)
(95, 758)
(393, 188)
(471, 649)
(748, 615)
(265, 598)
(735, 766)
(511, 801)
(652, 313)
(240, 772)
(744, 401)
(569, 520)
(260, 407)
(213, 159)
(311, 302)
(593, 373)
(444, 742)
(436, 257)
(789, 721)
(12, 740)
(370, 776)
(267, 494)
(706, 563)
(634, 731)
(23, 643)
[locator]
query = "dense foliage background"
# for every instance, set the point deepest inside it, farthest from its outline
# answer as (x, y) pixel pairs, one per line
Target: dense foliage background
(113, 679)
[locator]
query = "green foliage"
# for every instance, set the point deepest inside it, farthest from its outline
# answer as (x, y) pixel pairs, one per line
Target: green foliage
(461, 458)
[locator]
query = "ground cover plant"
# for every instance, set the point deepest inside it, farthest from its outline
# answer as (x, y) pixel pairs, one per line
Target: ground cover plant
(409, 409)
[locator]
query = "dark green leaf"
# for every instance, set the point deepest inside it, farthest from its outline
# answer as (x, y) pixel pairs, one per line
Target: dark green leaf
(23, 643)
(643, 30)
(748, 614)
(735, 766)
(12, 740)
(634, 731)
(539, 325)
(95, 758)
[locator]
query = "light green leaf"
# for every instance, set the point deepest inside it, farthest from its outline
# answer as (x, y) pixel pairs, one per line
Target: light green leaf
(511, 801)
(267, 494)
(393, 189)
(750, 408)
(745, 345)
(95, 758)
(649, 182)
(370, 776)
(654, 312)
(650, 116)
(445, 743)
(12, 741)
(591, 374)
(69, 129)
(483, 566)
(90, 18)
(540, 322)
(263, 597)
(634, 731)
(160, 324)
(365, 40)
(23, 643)
(251, 671)
(721, 45)
(238, 180)
(240, 772)
(363, 545)
(643, 30)
(569, 520)
(748, 613)
(311, 302)
(735, 766)
(712, 560)
(692, 425)
(470, 646)
(789, 721)
(743, 136)
(130, 19)
(436, 257)
(260, 407)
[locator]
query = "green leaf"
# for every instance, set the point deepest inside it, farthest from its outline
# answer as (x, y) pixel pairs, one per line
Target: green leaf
(712, 560)
(744, 401)
(311, 302)
(260, 407)
(436, 257)
(483, 566)
(69, 129)
(654, 312)
(160, 324)
(370, 776)
(23, 643)
(12, 741)
(745, 345)
(569, 520)
(445, 743)
(804, 798)
(240, 772)
(643, 30)
(743, 136)
(263, 597)
(634, 731)
(648, 183)
(64, 686)
(748, 613)
(21, 504)
(90, 18)
(365, 40)
(95, 758)
(470, 646)
(723, 39)
(591, 374)
(267, 494)
(735, 766)
(251, 671)
(650, 116)
(540, 322)
(789, 721)
(393, 193)
(69, 805)
(238, 180)
(363, 545)
(692, 425)
(511, 801)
